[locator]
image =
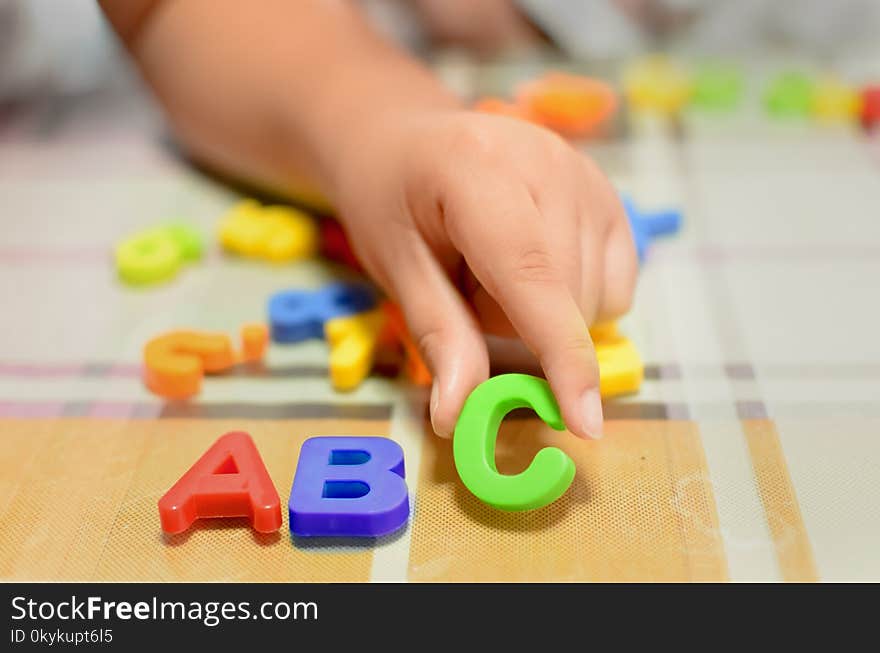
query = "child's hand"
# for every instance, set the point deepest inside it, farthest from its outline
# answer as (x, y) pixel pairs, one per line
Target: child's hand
(478, 223)
(465, 219)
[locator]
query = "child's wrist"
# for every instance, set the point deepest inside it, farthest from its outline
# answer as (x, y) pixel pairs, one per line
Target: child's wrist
(382, 140)
(358, 106)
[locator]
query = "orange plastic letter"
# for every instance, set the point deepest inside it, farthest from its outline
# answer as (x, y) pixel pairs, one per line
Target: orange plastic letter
(175, 362)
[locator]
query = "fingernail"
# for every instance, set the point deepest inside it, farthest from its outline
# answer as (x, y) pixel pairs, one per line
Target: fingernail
(591, 414)
(435, 403)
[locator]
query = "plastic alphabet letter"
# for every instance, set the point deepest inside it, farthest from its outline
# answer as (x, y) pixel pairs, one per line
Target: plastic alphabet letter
(834, 100)
(717, 86)
(621, 370)
(549, 474)
(870, 106)
(657, 84)
(395, 330)
(348, 486)
(156, 254)
(297, 315)
(175, 362)
(789, 94)
(572, 105)
(335, 245)
(648, 226)
(273, 233)
(229, 480)
(353, 340)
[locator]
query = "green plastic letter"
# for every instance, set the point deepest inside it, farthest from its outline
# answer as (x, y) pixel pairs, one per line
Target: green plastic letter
(549, 474)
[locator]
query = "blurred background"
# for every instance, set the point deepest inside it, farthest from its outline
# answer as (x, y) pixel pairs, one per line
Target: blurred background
(750, 451)
(65, 47)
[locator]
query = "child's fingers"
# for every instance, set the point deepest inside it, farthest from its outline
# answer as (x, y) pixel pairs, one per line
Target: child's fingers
(620, 273)
(581, 257)
(589, 288)
(501, 234)
(446, 332)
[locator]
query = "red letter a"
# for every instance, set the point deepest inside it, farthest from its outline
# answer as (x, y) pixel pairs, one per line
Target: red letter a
(229, 480)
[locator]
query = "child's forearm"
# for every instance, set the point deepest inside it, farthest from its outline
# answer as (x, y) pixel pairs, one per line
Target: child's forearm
(271, 91)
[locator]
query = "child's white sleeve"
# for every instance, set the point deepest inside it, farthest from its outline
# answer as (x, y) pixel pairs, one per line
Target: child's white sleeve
(603, 28)
(61, 46)
(585, 28)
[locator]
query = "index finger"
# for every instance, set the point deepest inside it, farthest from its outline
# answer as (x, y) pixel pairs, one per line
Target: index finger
(508, 252)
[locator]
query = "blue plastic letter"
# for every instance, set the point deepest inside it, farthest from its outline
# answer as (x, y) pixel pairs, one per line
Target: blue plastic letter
(648, 226)
(348, 486)
(296, 315)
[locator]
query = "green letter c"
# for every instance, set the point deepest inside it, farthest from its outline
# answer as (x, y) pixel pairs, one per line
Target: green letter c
(549, 474)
